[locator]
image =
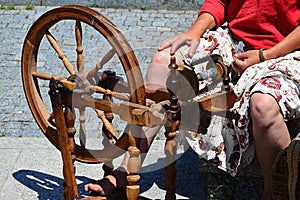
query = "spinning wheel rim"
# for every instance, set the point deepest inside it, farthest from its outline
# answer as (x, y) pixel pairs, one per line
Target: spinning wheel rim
(29, 65)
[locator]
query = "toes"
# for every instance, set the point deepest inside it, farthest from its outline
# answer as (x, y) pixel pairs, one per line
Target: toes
(86, 187)
(94, 188)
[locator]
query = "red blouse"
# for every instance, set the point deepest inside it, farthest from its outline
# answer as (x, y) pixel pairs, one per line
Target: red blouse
(258, 23)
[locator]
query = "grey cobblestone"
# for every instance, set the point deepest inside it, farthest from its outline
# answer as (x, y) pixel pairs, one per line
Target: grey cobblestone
(131, 4)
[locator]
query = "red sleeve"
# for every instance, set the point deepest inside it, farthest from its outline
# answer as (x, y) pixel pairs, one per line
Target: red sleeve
(217, 8)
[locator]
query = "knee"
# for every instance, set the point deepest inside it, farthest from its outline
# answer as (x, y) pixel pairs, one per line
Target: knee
(264, 110)
(157, 71)
(163, 58)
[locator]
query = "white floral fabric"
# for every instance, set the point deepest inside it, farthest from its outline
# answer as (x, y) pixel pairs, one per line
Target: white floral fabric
(227, 142)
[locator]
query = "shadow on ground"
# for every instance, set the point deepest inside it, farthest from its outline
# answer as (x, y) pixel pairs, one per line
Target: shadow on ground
(190, 182)
(47, 186)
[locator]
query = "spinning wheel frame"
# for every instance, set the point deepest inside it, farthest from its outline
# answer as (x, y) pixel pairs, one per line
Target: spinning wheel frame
(29, 66)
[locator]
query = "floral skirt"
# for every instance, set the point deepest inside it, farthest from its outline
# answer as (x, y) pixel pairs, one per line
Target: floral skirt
(229, 142)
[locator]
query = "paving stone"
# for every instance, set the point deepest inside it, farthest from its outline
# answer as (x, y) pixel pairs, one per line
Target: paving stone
(131, 4)
(32, 133)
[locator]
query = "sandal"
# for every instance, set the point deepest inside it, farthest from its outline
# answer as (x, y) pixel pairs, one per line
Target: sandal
(108, 188)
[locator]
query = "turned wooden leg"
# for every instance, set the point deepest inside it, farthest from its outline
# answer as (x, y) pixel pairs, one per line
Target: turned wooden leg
(172, 125)
(170, 169)
(82, 129)
(108, 166)
(134, 163)
(70, 185)
(69, 117)
(173, 117)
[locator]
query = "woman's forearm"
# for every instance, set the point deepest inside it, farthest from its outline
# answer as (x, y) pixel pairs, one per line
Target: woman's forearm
(289, 44)
(204, 21)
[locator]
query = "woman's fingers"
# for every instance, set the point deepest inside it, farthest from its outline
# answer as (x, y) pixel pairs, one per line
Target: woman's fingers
(175, 43)
(236, 66)
(165, 44)
(193, 47)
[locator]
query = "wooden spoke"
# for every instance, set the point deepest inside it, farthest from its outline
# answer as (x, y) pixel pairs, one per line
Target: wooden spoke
(70, 85)
(109, 92)
(107, 124)
(61, 55)
(44, 76)
(82, 129)
(100, 64)
(79, 49)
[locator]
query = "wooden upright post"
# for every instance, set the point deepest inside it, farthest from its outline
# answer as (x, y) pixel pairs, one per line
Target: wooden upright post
(134, 163)
(171, 126)
(108, 166)
(173, 117)
(70, 186)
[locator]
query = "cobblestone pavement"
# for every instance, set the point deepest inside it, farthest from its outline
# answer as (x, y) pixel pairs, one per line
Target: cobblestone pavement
(133, 4)
(143, 29)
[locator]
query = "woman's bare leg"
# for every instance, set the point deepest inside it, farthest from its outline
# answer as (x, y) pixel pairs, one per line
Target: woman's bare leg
(270, 135)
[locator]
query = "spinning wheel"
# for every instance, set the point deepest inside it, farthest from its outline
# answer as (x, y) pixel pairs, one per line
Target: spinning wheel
(33, 74)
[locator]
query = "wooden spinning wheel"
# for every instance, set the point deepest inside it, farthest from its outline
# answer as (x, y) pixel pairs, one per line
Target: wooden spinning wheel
(31, 73)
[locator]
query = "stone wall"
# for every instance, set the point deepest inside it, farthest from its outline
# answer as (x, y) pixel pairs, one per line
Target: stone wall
(130, 4)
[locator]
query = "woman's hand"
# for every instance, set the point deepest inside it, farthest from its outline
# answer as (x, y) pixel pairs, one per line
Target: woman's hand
(175, 42)
(289, 44)
(191, 37)
(244, 60)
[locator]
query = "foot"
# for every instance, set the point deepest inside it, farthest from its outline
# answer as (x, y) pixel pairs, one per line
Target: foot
(104, 187)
